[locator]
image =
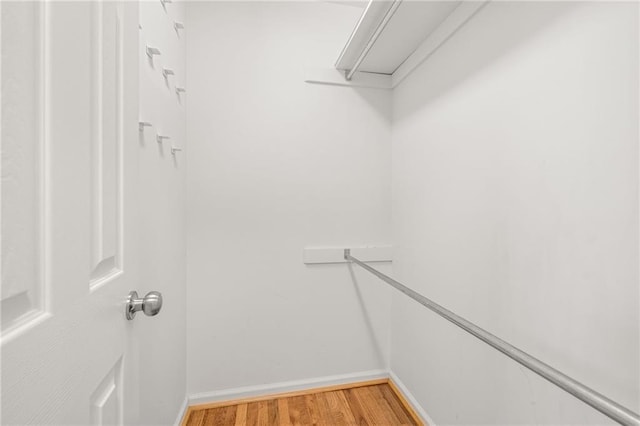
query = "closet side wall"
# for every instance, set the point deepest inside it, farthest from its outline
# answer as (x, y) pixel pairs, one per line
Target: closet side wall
(515, 204)
(162, 345)
(275, 165)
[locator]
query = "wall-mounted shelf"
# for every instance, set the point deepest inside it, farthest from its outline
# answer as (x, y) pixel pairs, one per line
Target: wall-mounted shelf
(393, 37)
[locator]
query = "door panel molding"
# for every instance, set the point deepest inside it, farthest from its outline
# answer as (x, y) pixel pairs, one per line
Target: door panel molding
(106, 402)
(25, 293)
(107, 136)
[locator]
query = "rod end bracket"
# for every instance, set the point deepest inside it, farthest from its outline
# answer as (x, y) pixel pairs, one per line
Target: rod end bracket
(347, 254)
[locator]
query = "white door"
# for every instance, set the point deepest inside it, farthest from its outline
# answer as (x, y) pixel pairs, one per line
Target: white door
(69, 166)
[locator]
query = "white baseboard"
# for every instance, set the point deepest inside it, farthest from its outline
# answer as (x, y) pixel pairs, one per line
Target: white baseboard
(411, 400)
(281, 387)
(182, 411)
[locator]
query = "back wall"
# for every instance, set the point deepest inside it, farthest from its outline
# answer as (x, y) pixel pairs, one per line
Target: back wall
(276, 164)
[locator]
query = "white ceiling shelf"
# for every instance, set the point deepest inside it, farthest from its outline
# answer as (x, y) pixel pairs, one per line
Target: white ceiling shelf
(393, 37)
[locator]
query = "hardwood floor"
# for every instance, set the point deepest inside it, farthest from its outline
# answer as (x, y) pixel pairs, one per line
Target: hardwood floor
(369, 403)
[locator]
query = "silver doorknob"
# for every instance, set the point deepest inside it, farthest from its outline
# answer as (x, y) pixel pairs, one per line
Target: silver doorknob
(150, 304)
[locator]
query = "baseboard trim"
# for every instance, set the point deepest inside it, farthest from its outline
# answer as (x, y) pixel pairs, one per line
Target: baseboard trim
(410, 399)
(182, 412)
(302, 392)
(284, 387)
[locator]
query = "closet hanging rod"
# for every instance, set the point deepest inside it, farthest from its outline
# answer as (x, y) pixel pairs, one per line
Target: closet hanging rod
(372, 40)
(606, 406)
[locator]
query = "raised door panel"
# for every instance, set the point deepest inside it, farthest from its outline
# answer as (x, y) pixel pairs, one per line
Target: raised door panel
(22, 292)
(106, 143)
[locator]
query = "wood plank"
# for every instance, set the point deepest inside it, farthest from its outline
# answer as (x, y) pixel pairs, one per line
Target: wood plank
(225, 416)
(312, 408)
(252, 414)
(241, 415)
(378, 405)
(407, 406)
(325, 417)
(298, 411)
(273, 412)
(209, 416)
(195, 417)
(288, 394)
(362, 398)
(354, 405)
(336, 409)
(263, 413)
(396, 406)
(283, 412)
(345, 408)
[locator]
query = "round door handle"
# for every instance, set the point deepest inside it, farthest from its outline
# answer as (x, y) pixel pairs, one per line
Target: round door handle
(150, 304)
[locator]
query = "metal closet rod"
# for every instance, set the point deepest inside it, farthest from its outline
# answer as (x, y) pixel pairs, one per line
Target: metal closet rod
(606, 406)
(373, 39)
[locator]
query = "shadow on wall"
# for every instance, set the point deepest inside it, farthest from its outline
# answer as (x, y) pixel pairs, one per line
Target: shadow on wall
(379, 352)
(496, 34)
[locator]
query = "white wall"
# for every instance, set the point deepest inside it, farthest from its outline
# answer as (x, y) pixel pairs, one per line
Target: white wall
(515, 204)
(162, 226)
(274, 165)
